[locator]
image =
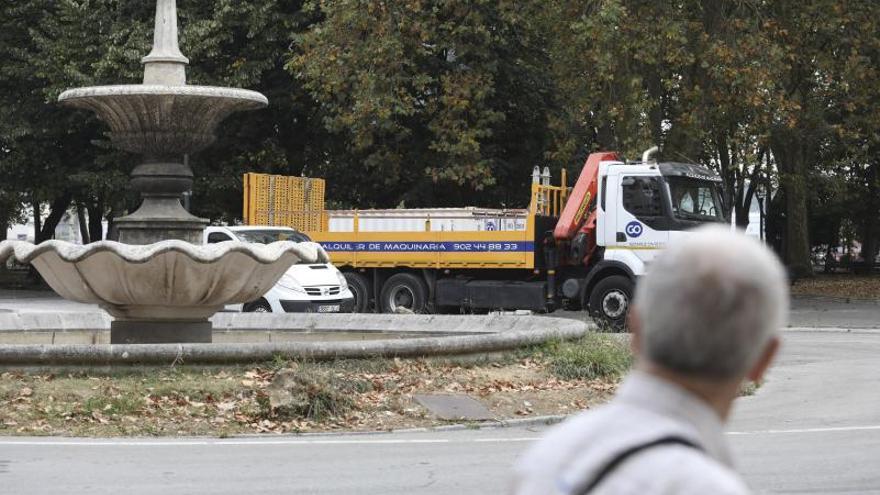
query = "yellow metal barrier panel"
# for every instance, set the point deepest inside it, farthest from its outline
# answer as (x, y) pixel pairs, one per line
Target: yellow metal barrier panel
(279, 201)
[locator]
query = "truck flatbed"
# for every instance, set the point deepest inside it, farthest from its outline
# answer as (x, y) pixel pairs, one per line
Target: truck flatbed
(452, 238)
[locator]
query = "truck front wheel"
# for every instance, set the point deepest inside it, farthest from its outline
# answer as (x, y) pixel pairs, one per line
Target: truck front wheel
(404, 293)
(610, 301)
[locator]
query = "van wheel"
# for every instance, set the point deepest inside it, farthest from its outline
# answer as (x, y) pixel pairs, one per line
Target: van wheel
(404, 293)
(360, 288)
(610, 301)
(261, 306)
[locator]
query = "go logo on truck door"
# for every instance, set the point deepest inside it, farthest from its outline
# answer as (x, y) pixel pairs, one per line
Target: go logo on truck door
(634, 229)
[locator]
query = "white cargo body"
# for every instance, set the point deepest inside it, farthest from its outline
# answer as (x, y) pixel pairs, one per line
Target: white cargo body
(469, 219)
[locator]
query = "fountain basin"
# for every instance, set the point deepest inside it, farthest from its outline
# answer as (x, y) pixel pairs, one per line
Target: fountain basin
(164, 289)
(81, 339)
(162, 120)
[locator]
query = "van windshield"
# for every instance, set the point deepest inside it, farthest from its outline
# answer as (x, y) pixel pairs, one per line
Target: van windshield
(270, 236)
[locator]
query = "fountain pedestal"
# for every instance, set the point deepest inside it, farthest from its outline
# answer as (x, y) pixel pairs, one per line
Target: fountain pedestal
(161, 216)
(151, 332)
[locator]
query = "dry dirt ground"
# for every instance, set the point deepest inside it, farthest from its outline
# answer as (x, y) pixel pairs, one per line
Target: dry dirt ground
(840, 286)
(371, 395)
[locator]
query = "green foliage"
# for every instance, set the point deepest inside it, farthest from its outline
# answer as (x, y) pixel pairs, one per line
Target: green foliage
(445, 103)
(428, 96)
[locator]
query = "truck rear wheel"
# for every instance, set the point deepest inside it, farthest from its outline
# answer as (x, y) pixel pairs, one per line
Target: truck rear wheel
(360, 289)
(404, 293)
(610, 301)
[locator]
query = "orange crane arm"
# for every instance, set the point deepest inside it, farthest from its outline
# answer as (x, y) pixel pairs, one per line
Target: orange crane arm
(577, 208)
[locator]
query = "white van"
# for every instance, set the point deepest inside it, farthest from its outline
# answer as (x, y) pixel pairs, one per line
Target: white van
(317, 288)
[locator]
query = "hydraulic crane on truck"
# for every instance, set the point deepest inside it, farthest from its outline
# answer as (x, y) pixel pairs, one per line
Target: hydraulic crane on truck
(580, 247)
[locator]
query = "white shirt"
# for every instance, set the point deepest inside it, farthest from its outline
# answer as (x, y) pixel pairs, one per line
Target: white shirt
(645, 409)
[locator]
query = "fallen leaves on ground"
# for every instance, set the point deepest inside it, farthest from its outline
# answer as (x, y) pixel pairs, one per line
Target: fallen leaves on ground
(236, 401)
(840, 286)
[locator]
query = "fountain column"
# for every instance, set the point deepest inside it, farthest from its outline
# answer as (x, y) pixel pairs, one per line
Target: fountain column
(162, 178)
(165, 65)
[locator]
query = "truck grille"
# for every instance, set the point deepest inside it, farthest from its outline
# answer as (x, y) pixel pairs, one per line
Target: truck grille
(330, 290)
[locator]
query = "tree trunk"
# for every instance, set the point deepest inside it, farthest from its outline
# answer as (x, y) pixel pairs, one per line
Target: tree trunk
(870, 236)
(59, 207)
(112, 231)
(796, 231)
(790, 159)
(38, 221)
(96, 216)
(4, 227)
(83, 228)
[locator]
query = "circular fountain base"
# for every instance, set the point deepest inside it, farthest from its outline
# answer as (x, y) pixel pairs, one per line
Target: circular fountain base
(168, 332)
(81, 339)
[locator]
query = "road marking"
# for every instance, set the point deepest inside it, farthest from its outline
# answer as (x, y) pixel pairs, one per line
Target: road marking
(201, 443)
(360, 441)
(807, 430)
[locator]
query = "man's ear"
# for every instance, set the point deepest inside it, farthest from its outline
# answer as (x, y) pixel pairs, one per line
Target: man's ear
(763, 363)
(634, 325)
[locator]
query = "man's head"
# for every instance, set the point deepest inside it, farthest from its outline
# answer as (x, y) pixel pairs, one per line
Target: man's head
(710, 307)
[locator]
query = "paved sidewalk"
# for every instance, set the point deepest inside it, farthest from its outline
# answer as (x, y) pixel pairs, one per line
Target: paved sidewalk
(29, 301)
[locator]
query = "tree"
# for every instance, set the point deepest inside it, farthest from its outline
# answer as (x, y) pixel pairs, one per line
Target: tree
(445, 103)
(60, 45)
(688, 76)
(431, 101)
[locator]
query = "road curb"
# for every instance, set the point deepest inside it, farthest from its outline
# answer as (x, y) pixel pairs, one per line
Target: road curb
(549, 420)
(834, 299)
(832, 330)
(475, 425)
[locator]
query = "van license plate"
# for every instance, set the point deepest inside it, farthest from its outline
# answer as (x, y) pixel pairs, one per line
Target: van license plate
(333, 308)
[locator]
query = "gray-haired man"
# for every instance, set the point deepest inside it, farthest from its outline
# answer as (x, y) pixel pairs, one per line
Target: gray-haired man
(705, 319)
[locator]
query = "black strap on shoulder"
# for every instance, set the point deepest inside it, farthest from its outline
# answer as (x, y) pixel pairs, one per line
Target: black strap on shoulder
(612, 464)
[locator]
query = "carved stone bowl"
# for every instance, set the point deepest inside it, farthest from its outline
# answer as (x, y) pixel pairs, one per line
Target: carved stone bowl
(166, 281)
(162, 120)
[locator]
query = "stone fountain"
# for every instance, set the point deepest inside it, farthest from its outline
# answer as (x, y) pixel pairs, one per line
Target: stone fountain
(159, 283)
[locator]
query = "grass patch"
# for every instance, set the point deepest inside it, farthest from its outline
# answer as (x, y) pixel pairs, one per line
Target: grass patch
(303, 393)
(748, 389)
(591, 357)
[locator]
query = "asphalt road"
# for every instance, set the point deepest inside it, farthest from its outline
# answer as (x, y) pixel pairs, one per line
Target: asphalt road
(814, 427)
(809, 313)
(805, 312)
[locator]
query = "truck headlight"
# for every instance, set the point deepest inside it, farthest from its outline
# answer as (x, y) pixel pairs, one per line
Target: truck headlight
(343, 282)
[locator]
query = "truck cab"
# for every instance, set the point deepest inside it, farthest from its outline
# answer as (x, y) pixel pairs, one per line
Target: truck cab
(641, 207)
(651, 205)
(307, 288)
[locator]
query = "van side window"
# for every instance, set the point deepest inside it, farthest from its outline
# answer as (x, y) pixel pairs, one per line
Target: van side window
(215, 237)
(642, 197)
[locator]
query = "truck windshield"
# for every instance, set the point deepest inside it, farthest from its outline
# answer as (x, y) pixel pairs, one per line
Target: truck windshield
(270, 236)
(694, 199)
